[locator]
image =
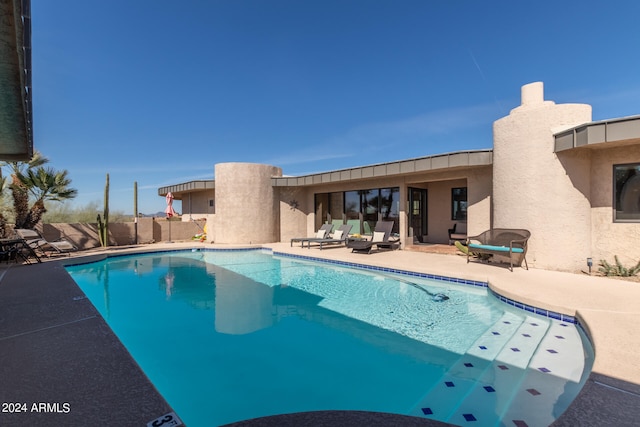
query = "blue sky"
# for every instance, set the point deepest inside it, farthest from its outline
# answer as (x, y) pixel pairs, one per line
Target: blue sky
(159, 91)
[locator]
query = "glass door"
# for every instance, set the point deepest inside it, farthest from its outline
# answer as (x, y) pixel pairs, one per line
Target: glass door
(418, 213)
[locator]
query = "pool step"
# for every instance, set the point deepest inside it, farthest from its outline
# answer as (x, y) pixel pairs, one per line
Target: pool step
(489, 344)
(480, 386)
(557, 352)
(555, 362)
(523, 344)
(493, 393)
(444, 397)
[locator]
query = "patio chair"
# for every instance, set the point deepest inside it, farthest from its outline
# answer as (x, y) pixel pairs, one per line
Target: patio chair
(320, 234)
(505, 242)
(339, 236)
(458, 233)
(38, 243)
(381, 239)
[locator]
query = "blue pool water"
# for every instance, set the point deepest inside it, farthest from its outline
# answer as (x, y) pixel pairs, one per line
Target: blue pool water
(233, 335)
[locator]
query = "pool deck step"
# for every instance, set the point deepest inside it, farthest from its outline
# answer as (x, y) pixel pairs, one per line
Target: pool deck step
(532, 361)
(442, 400)
(489, 344)
(523, 343)
(487, 373)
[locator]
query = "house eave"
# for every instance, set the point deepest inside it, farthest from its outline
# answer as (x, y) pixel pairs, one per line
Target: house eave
(459, 159)
(600, 134)
(178, 190)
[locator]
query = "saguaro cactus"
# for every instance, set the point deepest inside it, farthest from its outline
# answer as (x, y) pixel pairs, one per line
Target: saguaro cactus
(135, 212)
(103, 224)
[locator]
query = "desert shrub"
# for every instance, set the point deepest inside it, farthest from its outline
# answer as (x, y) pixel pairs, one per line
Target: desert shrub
(65, 213)
(618, 269)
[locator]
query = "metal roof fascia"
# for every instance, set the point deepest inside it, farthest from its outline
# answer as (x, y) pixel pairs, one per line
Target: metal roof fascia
(200, 185)
(599, 132)
(421, 164)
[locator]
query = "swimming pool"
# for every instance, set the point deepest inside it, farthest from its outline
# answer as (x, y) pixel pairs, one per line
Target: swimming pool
(233, 335)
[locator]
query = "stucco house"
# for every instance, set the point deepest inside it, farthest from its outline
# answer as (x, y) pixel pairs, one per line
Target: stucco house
(574, 183)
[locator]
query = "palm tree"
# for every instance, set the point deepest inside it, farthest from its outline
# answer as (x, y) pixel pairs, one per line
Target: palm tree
(3, 219)
(44, 184)
(19, 191)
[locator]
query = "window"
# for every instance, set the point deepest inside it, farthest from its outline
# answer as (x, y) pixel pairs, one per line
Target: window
(322, 209)
(336, 208)
(360, 208)
(390, 206)
(459, 204)
(370, 208)
(352, 210)
(626, 192)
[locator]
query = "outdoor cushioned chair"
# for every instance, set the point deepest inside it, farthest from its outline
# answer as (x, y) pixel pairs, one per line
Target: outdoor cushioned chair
(320, 234)
(381, 238)
(458, 232)
(36, 242)
(339, 236)
(508, 242)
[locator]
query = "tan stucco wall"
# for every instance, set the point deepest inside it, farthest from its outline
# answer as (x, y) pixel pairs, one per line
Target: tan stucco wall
(439, 209)
(611, 238)
(148, 230)
(195, 205)
(246, 206)
(531, 188)
(479, 188)
(294, 212)
(210, 228)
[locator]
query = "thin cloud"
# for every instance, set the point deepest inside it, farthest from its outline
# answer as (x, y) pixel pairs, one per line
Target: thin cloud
(382, 135)
(422, 127)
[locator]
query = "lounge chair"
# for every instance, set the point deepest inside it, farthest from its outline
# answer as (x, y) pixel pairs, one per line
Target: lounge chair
(12, 249)
(36, 242)
(339, 236)
(320, 234)
(381, 238)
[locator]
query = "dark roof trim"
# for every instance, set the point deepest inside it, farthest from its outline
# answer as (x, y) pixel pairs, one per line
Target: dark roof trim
(601, 132)
(188, 187)
(460, 159)
(16, 109)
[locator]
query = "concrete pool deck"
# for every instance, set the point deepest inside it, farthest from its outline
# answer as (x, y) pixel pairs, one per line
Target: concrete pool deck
(55, 348)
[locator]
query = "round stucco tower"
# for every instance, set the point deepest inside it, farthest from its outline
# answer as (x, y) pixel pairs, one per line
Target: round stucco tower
(246, 206)
(531, 186)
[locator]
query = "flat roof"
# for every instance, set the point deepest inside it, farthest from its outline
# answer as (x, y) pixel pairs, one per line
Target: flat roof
(458, 159)
(188, 187)
(595, 134)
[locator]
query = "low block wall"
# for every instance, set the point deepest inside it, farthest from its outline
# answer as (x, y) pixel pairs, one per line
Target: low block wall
(148, 230)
